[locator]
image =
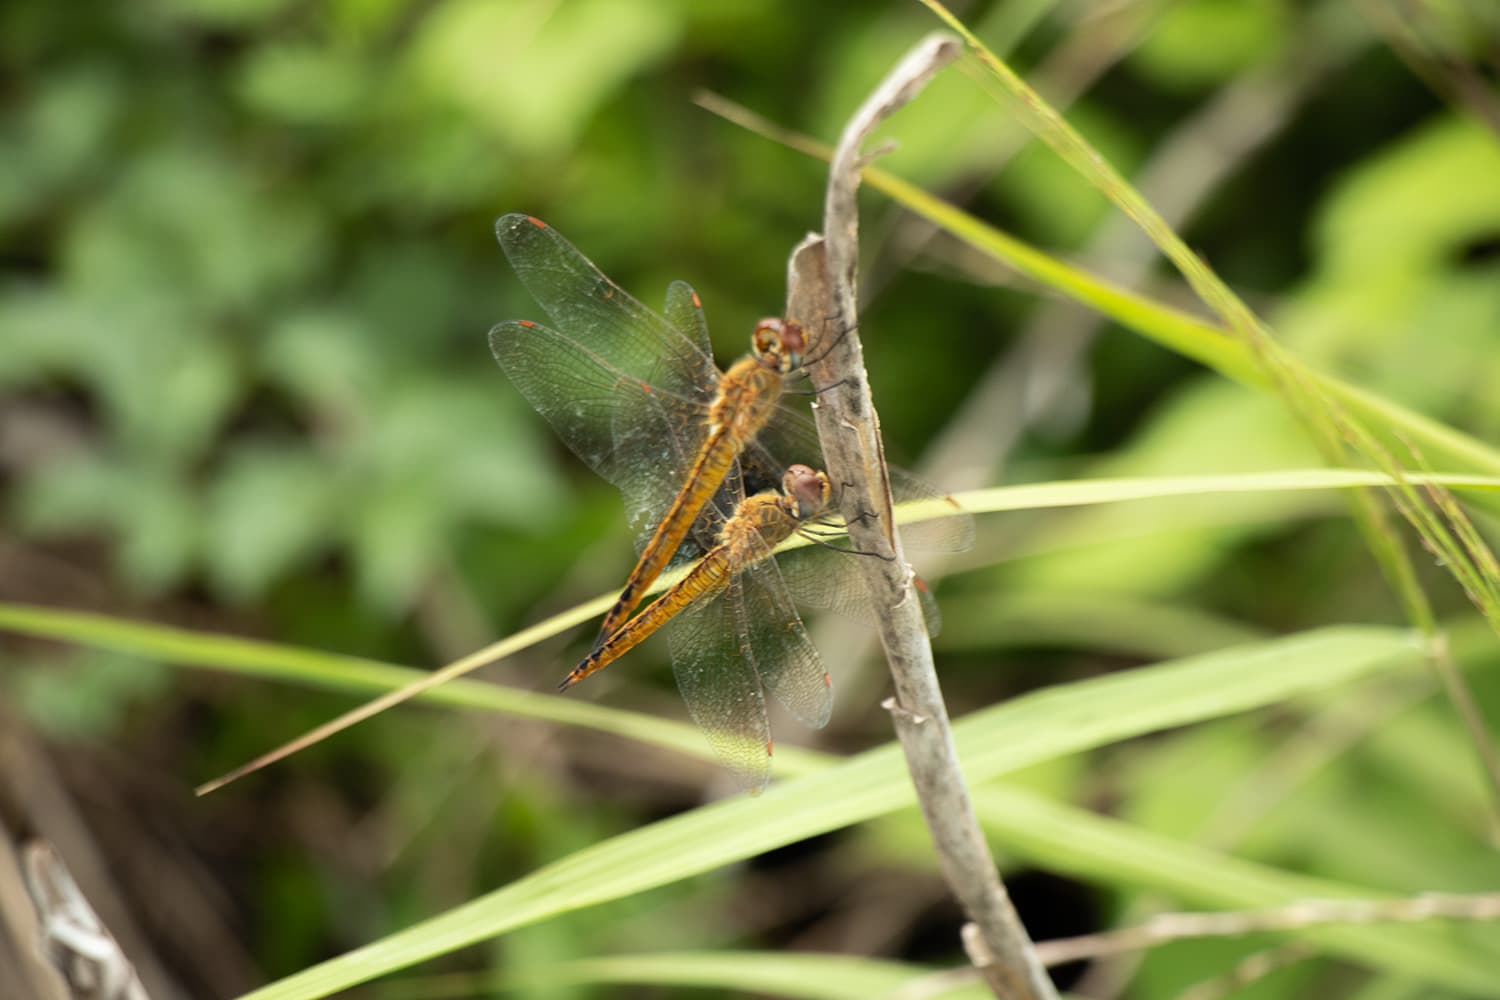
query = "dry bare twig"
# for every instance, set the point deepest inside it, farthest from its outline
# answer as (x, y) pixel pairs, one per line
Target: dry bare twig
(1165, 928)
(821, 293)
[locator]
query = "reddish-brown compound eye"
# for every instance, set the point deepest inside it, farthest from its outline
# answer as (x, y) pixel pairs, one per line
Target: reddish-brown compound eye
(767, 338)
(793, 342)
(809, 489)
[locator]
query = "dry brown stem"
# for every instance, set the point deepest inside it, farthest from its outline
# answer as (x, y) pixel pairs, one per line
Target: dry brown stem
(822, 295)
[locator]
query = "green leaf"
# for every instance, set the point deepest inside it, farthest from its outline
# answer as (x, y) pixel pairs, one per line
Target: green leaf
(432, 456)
(152, 516)
(533, 76)
(396, 537)
(1411, 208)
(1037, 727)
(1031, 496)
(270, 508)
(336, 672)
(87, 695)
(1196, 43)
(225, 13)
(1080, 619)
(58, 137)
(322, 358)
(1024, 731)
(303, 84)
(162, 534)
(190, 228)
(1056, 205)
(41, 331)
(1185, 334)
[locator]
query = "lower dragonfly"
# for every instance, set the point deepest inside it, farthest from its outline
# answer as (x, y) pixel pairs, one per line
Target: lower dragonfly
(735, 634)
(732, 623)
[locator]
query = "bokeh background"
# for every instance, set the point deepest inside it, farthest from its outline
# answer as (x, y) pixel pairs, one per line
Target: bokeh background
(248, 267)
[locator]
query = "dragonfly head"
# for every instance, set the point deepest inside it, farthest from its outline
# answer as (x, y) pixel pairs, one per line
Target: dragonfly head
(808, 489)
(779, 344)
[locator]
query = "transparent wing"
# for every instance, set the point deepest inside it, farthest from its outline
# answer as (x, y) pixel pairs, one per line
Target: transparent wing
(819, 577)
(626, 388)
(941, 525)
(588, 307)
(720, 687)
(946, 527)
(730, 651)
(788, 439)
(684, 311)
(776, 645)
(828, 576)
(590, 402)
(792, 437)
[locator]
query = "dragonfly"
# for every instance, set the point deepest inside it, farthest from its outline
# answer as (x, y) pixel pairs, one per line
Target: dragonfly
(630, 391)
(730, 407)
(734, 633)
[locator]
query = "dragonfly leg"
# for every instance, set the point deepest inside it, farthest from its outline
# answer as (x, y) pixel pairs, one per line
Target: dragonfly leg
(838, 338)
(816, 392)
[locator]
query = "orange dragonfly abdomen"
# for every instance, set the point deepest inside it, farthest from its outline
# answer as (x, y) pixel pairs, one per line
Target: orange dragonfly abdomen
(706, 581)
(747, 399)
(761, 523)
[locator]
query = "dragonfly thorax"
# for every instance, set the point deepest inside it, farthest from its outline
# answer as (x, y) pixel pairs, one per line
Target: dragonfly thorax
(748, 396)
(765, 520)
(761, 523)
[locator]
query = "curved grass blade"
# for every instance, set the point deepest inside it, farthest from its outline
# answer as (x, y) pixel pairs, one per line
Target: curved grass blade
(1036, 727)
(784, 974)
(1209, 345)
(257, 658)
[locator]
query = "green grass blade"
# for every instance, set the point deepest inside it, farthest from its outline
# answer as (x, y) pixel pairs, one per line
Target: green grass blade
(1339, 435)
(1178, 331)
(255, 658)
(1047, 724)
(798, 975)
(1066, 839)
(1084, 492)
(1099, 621)
(1185, 334)
(336, 672)
(1021, 732)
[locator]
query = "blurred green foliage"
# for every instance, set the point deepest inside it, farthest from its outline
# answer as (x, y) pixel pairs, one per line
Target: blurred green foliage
(247, 271)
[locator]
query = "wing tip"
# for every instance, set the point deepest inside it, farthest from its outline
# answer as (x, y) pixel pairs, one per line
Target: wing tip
(512, 222)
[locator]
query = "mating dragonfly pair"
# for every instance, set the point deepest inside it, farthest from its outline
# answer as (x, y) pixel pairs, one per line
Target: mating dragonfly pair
(701, 457)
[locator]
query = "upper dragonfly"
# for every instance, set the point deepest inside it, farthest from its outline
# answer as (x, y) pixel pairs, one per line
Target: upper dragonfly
(637, 395)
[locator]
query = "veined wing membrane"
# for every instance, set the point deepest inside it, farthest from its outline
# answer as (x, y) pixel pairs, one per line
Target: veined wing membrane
(831, 581)
(720, 691)
(733, 647)
(666, 353)
(778, 647)
(590, 403)
(659, 371)
(625, 334)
